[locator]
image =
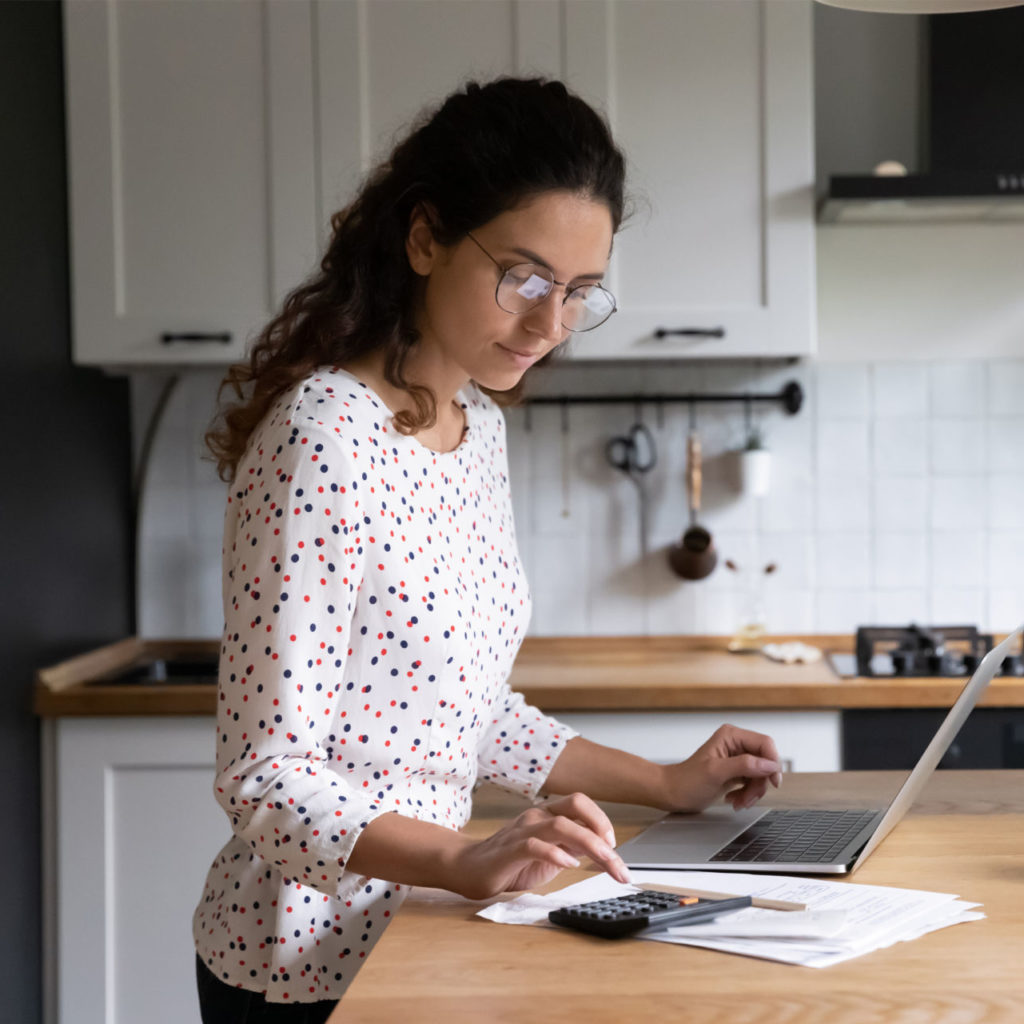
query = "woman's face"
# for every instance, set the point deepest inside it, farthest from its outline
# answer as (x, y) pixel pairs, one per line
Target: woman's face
(465, 334)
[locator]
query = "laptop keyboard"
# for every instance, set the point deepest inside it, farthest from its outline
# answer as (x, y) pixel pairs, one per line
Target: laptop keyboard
(793, 837)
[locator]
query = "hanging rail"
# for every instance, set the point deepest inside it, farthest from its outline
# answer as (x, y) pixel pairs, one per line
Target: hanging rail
(791, 397)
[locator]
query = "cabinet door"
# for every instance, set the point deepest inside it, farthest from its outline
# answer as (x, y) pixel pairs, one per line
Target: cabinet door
(807, 741)
(191, 167)
(132, 827)
(712, 103)
(382, 63)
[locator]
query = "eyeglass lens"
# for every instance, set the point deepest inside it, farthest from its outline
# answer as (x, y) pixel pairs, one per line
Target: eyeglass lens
(524, 285)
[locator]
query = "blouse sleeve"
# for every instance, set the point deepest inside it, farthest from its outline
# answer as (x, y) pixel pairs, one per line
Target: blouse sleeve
(520, 745)
(293, 565)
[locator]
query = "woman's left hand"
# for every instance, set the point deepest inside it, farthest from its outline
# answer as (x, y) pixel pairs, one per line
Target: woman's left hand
(735, 763)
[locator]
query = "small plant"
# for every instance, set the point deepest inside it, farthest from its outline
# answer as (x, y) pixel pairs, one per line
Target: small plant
(755, 439)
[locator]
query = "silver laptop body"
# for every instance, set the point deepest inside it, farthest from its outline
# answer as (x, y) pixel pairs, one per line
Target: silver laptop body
(701, 841)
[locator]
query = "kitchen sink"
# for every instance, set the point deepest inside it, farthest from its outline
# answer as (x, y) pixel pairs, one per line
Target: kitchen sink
(176, 671)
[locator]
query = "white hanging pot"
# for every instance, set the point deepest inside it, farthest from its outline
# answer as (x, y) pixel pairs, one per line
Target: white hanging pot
(755, 471)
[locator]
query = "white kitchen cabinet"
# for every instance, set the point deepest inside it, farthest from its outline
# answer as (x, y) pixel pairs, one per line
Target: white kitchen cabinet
(712, 103)
(131, 828)
(191, 173)
(380, 64)
(807, 741)
(210, 142)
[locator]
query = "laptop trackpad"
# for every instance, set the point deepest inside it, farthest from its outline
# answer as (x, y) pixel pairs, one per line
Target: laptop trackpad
(690, 837)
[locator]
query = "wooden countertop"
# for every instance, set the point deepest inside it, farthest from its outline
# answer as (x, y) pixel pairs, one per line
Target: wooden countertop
(438, 961)
(555, 673)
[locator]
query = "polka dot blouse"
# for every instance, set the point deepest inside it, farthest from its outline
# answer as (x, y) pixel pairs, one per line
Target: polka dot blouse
(374, 604)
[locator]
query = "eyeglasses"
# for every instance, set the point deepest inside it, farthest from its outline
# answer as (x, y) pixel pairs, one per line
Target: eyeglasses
(525, 285)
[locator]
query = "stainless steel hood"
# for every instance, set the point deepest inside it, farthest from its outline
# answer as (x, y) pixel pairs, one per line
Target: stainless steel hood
(970, 134)
(943, 197)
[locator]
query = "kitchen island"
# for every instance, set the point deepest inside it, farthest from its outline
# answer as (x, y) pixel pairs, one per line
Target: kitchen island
(438, 961)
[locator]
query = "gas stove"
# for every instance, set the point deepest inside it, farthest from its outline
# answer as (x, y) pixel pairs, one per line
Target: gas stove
(909, 651)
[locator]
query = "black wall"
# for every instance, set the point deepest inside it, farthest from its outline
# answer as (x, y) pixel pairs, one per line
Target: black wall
(64, 468)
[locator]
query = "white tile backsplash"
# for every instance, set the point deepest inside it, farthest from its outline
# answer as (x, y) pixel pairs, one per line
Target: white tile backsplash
(897, 495)
(955, 606)
(1006, 387)
(896, 607)
(843, 503)
(900, 561)
(958, 446)
(843, 390)
(844, 448)
(900, 389)
(957, 502)
(958, 389)
(844, 559)
(959, 559)
(1006, 448)
(900, 502)
(1005, 506)
(900, 446)
(1006, 558)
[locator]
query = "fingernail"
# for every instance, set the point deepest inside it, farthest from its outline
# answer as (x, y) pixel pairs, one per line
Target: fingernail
(768, 767)
(609, 838)
(569, 860)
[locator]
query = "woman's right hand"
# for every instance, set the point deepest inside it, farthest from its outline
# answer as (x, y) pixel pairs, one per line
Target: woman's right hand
(535, 846)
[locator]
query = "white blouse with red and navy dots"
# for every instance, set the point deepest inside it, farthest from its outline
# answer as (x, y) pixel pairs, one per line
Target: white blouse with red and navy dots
(374, 603)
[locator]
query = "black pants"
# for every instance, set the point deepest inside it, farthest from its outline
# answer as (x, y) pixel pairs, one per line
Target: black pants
(225, 1004)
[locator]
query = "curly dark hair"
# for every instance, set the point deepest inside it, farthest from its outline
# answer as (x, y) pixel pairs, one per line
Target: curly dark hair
(486, 149)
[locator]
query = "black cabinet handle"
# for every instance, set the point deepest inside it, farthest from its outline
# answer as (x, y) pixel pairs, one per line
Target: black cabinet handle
(196, 337)
(690, 332)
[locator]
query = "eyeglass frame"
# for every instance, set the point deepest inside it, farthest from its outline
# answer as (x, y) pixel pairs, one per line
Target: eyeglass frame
(562, 284)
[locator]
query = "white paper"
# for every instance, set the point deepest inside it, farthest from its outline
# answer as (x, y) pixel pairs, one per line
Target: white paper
(531, 908)
(758, 923)
(843, 920)
(876, 916)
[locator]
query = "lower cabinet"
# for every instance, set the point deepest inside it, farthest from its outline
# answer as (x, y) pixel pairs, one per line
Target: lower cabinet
(891, 739)
(131, 826)
(807, 741)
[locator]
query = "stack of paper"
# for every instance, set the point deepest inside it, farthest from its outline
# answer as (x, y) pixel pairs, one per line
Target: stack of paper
(842, 921)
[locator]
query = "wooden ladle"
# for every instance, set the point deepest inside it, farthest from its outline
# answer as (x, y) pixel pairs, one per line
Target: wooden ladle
(695, 556)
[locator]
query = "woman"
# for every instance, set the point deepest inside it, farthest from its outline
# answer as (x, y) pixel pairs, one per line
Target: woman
(374, 598)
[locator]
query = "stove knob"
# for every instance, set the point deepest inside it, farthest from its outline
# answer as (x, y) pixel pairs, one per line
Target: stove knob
(936, 664)
(1013, 665)
(971, 662)
(900, 660)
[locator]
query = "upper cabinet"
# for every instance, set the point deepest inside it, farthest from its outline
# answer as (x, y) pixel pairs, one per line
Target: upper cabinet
(191, 167)
(712, 103)
(381, 63)
(209, 144)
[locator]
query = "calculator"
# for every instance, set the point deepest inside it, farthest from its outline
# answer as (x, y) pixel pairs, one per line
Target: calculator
(624, 915)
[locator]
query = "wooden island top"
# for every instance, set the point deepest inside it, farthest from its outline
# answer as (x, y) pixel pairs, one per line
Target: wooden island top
(438, 961)
(681, 673)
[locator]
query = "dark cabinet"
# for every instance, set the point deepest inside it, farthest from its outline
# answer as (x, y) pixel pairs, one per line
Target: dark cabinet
(895, 738)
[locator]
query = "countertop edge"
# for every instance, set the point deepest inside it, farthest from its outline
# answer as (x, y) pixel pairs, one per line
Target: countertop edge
(66, 690)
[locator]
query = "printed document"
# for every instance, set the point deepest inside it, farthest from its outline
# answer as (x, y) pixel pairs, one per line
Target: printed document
(843, 920)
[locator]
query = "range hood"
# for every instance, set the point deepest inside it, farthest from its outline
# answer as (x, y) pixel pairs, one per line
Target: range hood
(971, 137)
(942, 197)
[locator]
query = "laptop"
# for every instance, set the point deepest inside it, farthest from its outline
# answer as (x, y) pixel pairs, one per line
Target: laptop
(803, 841)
